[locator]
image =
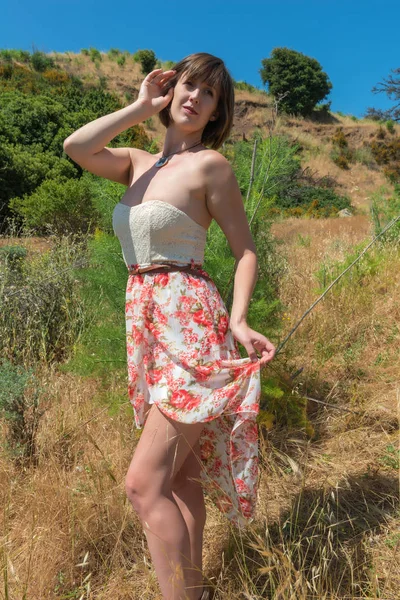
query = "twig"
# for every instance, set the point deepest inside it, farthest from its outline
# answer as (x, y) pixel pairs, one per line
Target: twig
(253, 162)
(354, 412)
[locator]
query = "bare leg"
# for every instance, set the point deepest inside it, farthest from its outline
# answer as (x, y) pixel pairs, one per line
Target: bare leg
(162, 450)
(188, 494)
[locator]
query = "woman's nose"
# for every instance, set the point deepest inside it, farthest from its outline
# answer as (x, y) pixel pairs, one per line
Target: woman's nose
(194, 96)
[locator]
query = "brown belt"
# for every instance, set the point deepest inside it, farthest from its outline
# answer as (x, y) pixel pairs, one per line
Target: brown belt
(158, 268)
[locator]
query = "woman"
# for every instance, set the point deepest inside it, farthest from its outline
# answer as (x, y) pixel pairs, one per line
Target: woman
(189, 387)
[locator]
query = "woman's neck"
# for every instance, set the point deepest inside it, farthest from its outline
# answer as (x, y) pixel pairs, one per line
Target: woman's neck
(178, 140)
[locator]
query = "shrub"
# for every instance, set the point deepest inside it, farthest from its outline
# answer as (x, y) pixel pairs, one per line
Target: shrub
(121, 60)
(364, 156)
(12, 257)
(297, 77)
(41, 313)
(387, 154)
(113, 53)
(313, 201)
(58, 207)
(381, 134)
(41, 62)
(339, 139)
(243, 85)
(340, 159)
(341, 153)
(19, 406)
(147, 60)
(94, 55)
(103, 82)
(55, 77)
(85, 51)
(19, 55)
(390, 126)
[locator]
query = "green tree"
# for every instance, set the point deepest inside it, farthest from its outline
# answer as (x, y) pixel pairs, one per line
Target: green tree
(147, 60)
(295, 80)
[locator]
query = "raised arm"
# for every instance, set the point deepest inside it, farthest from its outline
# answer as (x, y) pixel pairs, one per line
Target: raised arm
(86, 146)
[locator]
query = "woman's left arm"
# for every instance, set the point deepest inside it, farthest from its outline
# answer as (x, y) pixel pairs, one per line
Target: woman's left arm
(225, 204)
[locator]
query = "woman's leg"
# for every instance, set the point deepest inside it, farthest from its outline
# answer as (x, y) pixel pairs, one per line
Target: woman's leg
(162, 450)
(188, 494)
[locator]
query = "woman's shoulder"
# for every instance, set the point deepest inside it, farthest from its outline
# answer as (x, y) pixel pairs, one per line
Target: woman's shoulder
(212, 159)
(215, 167)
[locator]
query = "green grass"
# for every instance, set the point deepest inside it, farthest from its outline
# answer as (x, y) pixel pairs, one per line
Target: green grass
(101, 349)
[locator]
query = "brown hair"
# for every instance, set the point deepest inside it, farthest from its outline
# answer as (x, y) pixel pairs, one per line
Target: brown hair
(211, 70)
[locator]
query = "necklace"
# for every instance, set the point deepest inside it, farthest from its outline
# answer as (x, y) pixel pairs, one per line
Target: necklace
(164, 159)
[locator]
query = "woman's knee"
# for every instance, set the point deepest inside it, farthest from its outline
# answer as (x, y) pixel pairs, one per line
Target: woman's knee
(139, 490)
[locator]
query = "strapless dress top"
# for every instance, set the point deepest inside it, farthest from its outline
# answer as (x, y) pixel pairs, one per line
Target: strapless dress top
(157, 231)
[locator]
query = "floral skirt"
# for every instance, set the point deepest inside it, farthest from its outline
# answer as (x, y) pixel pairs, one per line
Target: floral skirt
(183, 357)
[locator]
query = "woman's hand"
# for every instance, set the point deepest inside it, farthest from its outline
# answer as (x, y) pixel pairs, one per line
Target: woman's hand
(253, 342)
(151, 93)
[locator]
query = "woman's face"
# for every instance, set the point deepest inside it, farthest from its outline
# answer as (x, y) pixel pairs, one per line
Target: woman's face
(194, 103)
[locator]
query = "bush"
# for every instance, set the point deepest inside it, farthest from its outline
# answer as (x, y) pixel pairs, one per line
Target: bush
(41, 313)
(296, 80)
(113, 53)
(19, 55)
(19, 406)
(12, 257)
(147, 60)
(340, 159)
(85, 51)
(243, 85)
(41, 62)
(390, 126)
(23, 169)
(364, 156)
(312, 201)
(94, 55)
(59, 207)
(121, 60)
(387, 154)
(339, 139)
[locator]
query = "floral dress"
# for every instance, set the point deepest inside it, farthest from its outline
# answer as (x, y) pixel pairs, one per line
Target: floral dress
(183, 357)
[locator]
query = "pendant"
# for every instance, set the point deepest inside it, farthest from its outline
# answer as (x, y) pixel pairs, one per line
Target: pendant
(162, 161)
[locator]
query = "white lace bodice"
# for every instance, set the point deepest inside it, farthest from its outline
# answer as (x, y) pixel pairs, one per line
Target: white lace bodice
(157, 231)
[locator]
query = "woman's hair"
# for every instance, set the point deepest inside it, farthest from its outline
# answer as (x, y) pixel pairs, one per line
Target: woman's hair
(213, 72)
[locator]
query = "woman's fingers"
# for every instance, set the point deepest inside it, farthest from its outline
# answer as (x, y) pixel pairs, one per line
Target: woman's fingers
(159, 76)
(266, 349)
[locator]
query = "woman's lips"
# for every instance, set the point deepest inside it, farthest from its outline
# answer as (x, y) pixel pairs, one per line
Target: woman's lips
(190, 111)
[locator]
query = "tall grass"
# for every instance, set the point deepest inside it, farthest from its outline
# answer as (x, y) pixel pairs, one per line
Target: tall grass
(41, 312)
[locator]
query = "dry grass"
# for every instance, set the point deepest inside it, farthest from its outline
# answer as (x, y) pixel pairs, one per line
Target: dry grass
(68, 531)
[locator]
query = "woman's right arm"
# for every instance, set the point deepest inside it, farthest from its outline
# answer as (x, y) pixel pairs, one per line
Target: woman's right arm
(86, 146)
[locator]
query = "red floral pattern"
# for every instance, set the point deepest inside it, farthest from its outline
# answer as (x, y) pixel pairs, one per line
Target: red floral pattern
(183, 357)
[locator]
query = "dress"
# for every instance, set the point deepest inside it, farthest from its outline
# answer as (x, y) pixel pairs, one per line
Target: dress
(182, 355)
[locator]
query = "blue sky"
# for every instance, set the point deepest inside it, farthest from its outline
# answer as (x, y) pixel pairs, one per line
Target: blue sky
(357, 43)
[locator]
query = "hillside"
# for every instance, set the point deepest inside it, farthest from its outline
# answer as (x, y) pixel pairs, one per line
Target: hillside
(254, 111)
